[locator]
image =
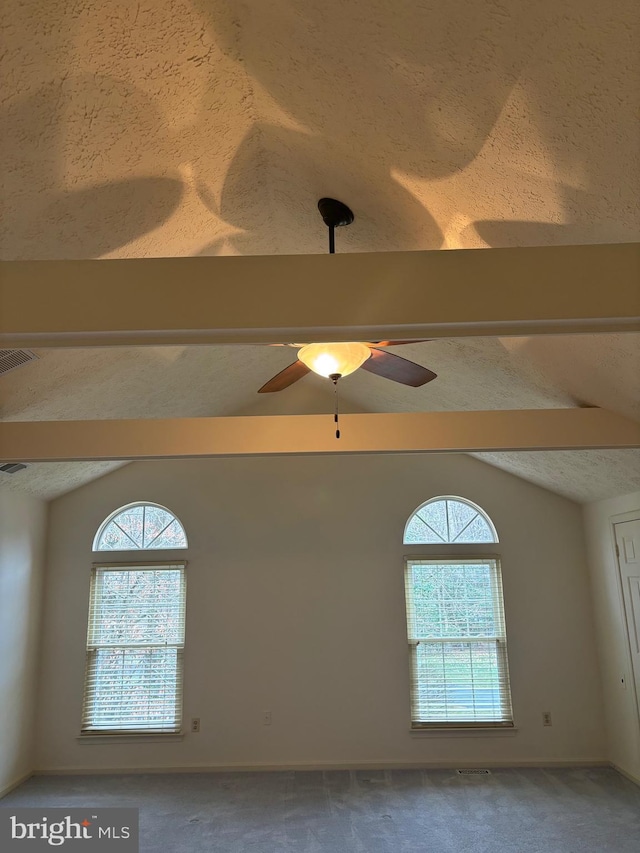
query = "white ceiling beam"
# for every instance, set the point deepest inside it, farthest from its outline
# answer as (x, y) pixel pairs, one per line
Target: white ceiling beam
(536, 429)
(152, 301)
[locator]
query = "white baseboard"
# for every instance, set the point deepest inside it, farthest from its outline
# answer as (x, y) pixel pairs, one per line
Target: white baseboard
(8, 788)
(625, 773)
(328, 765)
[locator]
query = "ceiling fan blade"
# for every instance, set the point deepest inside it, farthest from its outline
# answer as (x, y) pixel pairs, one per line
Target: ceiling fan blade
(285, 378)
(397, 368)
(398, 343)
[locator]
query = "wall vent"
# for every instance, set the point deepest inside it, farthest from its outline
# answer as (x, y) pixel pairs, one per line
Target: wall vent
(12, 467)
(473, 771)
(12, 358)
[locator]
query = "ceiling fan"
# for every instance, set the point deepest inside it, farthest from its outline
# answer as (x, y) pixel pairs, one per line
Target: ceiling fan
(335, 360)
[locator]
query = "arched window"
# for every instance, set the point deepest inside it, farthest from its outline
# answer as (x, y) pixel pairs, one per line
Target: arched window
(455, 619)
(140, 527)
(449, 520)
(135, 637)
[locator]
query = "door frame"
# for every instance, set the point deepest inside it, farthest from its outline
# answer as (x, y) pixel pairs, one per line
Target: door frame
(620, 518)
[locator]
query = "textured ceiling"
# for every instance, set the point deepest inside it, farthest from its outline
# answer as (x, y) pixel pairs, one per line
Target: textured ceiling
(170, 128)
(581, 475)
(48, 480)
(473, 373)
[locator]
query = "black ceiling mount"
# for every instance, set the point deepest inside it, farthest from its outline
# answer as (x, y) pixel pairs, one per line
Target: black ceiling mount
(334, 214)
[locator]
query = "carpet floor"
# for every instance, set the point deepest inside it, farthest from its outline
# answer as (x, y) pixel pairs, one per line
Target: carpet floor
(586, 810)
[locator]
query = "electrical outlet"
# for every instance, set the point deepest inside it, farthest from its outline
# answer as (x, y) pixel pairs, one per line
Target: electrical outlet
(195, 724)
(266, 718)
(546, 718)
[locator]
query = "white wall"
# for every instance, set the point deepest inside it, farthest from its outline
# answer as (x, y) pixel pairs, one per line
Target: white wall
(296, 604)
(22, 534)
(621, 716)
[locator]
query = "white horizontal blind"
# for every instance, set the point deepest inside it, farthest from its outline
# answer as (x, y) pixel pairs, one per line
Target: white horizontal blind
(135, 643)
(457, 643)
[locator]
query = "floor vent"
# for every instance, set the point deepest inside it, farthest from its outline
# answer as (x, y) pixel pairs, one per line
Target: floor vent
(474, 771)
(12, 467)
(12, 358)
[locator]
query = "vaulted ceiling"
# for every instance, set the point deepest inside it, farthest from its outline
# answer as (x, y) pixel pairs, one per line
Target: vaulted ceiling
(173, 128)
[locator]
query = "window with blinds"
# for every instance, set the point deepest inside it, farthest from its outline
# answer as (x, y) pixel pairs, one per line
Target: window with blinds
(135, 643)
(457, 643)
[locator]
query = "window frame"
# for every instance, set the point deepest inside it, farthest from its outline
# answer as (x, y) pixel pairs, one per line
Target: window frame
(458, 499)
(92, 648)
(455, 556)
(136, 559)
(460, 552)
(116, 513)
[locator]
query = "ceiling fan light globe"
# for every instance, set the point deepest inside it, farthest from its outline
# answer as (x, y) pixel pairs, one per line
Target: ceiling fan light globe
(334, 358)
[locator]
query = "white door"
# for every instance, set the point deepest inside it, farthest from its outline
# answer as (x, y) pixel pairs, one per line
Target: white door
(628, 551)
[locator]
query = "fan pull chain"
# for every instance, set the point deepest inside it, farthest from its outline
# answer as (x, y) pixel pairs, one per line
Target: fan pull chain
(335, 416)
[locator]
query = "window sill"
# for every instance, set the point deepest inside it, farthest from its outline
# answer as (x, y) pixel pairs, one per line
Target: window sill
(121, 737)
(467, 731)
